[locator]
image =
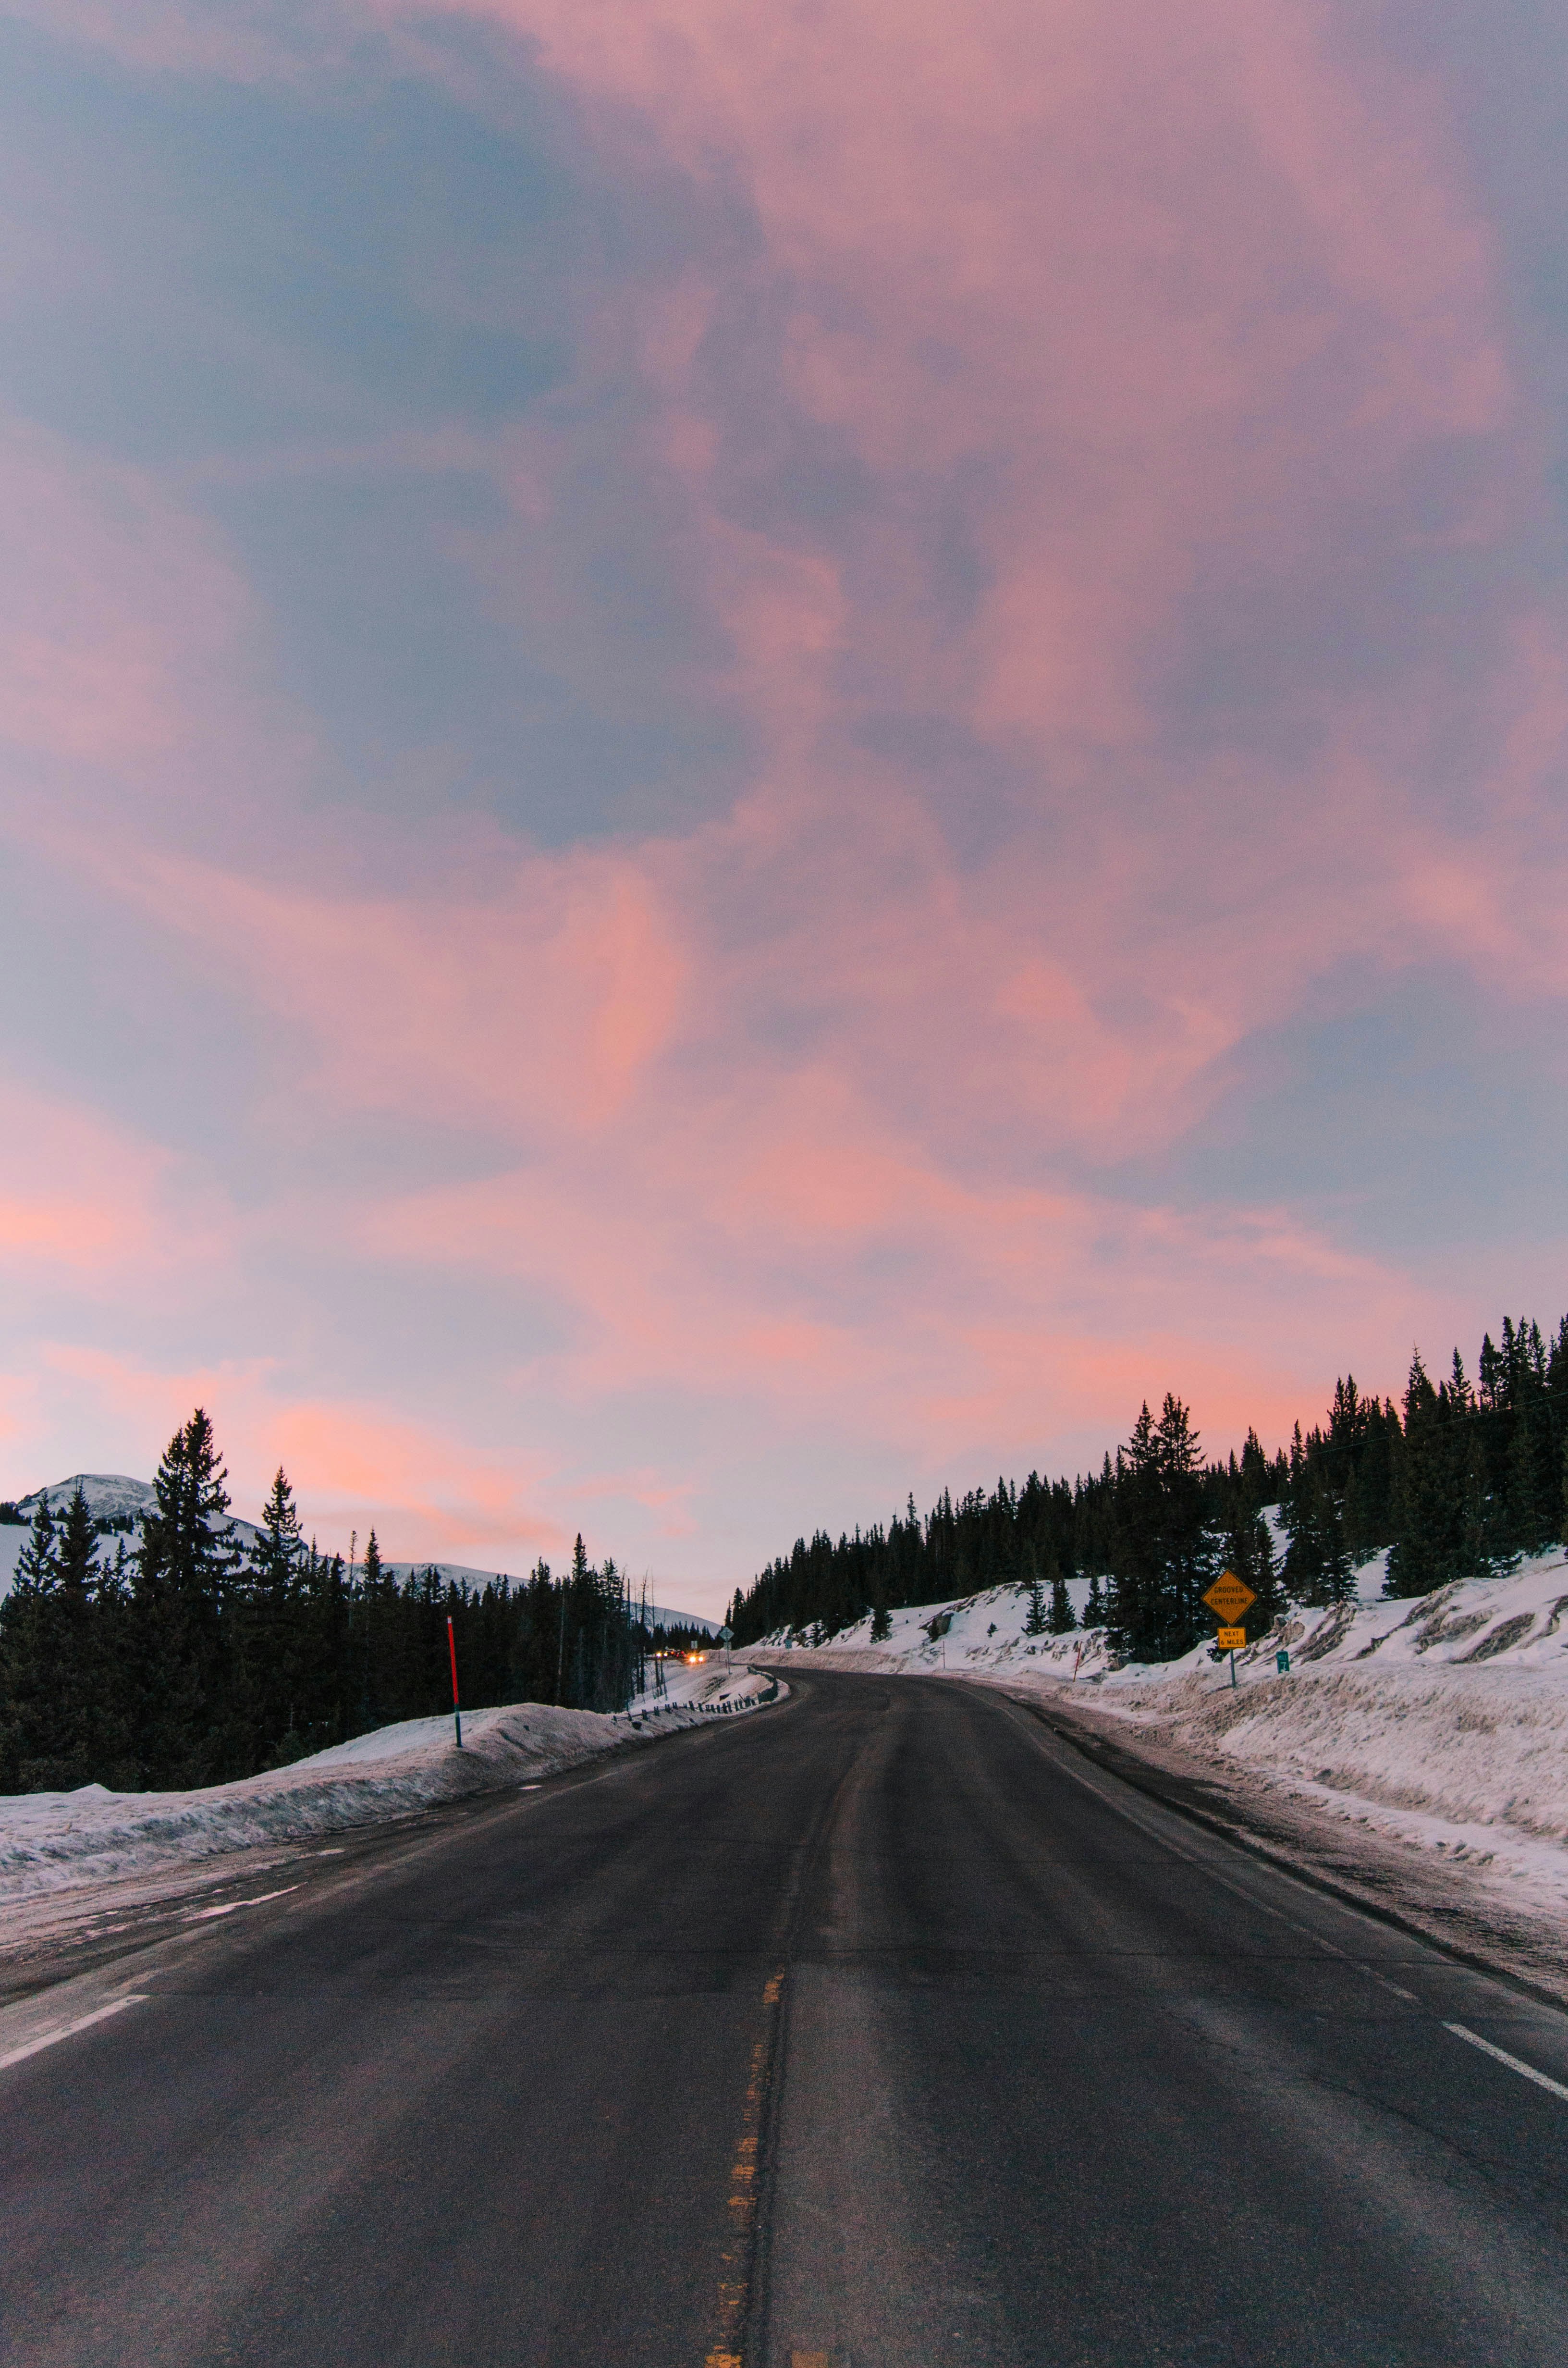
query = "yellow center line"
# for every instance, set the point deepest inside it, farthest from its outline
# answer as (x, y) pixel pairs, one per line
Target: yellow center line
(735, 2291)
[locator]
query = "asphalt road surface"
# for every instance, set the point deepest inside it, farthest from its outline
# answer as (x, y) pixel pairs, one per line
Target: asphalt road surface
(881, 2028)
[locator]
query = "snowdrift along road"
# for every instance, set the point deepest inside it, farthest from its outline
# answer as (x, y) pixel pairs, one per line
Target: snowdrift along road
(49, 1841)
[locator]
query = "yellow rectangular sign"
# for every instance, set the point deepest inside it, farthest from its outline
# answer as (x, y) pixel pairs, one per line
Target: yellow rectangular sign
(1233, 1640)
(1229, 1596)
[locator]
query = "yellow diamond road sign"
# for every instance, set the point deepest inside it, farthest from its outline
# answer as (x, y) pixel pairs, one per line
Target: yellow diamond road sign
(1228, 1595)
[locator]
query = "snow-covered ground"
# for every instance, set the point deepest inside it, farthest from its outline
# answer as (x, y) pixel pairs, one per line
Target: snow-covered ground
(52, 1840)
(114, 1496)
(1441, 1722)
(711, 1684)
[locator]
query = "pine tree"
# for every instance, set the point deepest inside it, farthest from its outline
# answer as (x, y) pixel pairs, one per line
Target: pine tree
(1429, 1494)
(1034, 1618)
(373, 1638)
(1256, 1479)
(1062, 1621)
(1337, 1577)
(76, 1557)
(37, 1565)
(89, 1738)
(271, 1617)
(187, 1543)
(882, 1624)
(1479, 1523)
(1248, 1550)
(279, 1548)
(1305, 1554)
(1162, 1554)
(1531, 1515)
(28, 1673)
(186, 1733)
(61, 1720)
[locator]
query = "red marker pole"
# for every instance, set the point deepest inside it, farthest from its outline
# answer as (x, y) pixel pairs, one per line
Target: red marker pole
(457, 1711)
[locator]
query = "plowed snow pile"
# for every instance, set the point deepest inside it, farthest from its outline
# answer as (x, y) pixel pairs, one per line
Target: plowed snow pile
(1442, 1722)
(51, 1840)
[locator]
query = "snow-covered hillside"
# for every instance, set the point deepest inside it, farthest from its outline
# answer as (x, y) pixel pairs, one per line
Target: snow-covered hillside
(976, 1631)
(114, 1496)
(1442, 1722)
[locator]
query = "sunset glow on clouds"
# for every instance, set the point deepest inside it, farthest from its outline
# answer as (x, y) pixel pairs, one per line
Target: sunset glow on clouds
(756, 756)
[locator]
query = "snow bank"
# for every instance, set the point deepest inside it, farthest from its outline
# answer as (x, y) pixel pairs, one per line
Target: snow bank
(710, 1685)
(49, 1841)
(1484, 1750)
(1441, 1722)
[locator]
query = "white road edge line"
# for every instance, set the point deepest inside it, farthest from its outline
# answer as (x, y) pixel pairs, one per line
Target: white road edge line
(1248, 1898)
(1513, 2063)
(68, 2029)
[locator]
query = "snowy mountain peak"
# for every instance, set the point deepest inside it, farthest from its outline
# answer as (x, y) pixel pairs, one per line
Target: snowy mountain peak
(111, 1494)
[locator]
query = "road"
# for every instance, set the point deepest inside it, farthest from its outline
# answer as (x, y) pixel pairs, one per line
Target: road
(880, 2031)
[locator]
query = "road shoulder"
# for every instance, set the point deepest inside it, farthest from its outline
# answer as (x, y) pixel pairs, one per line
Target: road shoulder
(1399, 1881)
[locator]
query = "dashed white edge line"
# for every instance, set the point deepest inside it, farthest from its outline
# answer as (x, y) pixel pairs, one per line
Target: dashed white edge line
(233, 1906)
(1501, 2053)
(68, 2029)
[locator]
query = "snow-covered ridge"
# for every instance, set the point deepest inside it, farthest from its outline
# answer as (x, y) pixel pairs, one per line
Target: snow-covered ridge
(1440, 1721)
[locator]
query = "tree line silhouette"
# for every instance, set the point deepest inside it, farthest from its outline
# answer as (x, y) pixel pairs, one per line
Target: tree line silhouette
(1465, 1477)
(186, 1660)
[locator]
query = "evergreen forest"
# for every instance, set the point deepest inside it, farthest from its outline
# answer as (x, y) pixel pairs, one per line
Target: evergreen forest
(1463, 1477)
(181, 1660)
(187, 1662)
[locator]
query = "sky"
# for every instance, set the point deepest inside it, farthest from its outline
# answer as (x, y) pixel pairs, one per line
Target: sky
(752, 758)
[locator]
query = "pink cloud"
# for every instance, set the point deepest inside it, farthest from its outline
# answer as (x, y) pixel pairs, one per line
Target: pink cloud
(427, 1495)
(539, 1003)
(117, 609)
(1286, 304)
(1179, 280)
(1159, 298)
(1120, 324)
(78, 1196)
(715, 1141)
(867, 1288)
(354, 1465)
